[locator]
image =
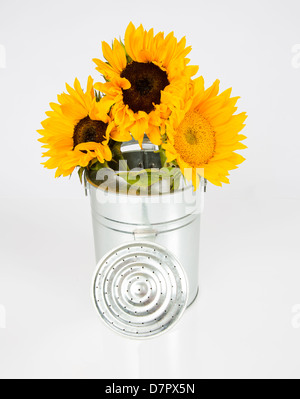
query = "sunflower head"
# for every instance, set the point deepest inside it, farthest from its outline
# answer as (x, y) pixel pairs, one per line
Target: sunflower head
(203, 136)
(145, 78)
(76, 130)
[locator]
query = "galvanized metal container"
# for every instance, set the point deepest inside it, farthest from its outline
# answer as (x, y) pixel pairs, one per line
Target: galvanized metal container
(147, 250)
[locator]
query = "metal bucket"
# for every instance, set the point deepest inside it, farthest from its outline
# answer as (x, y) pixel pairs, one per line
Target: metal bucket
(147, 250)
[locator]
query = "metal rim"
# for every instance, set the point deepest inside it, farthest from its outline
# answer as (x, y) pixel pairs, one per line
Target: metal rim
(140, 290)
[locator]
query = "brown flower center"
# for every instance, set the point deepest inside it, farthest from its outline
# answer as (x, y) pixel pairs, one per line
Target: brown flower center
(147, 81)
(87, 131)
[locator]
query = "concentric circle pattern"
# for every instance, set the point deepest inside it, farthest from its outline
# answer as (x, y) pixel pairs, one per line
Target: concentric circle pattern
(140, 290)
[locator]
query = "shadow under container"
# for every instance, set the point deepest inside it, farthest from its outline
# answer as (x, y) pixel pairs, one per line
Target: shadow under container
(148, 254)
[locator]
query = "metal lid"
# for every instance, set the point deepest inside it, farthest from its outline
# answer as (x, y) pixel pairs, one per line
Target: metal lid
(140, 290)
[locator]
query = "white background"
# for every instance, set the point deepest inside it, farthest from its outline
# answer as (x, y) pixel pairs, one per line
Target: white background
(243, 325)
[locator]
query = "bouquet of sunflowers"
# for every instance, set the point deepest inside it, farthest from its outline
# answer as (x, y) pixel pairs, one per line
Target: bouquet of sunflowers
(149, 91)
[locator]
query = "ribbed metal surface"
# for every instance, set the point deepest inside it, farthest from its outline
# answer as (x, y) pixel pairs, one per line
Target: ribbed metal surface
(140, 289)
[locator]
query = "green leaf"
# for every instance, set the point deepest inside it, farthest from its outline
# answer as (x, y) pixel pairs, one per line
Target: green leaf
(148, 177)
(142, 178)
(95, 165)
(98, 96)
(81, 172)
(128, 58)
(117, 158)
(163, 157)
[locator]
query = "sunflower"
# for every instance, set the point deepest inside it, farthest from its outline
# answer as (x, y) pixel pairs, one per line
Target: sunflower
(145, 79)
(203, 136)
(76, 131)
